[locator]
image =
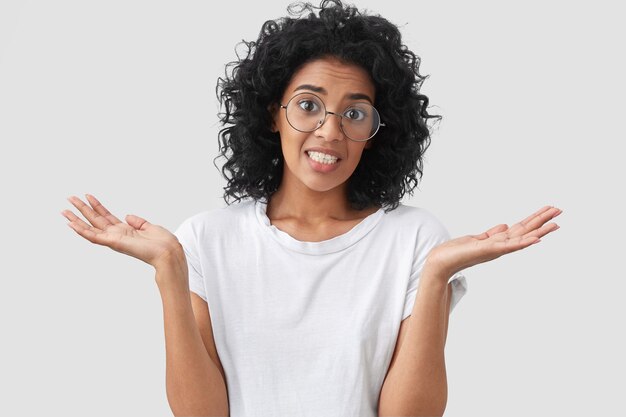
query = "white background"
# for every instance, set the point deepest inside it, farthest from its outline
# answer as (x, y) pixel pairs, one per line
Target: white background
(117, 99)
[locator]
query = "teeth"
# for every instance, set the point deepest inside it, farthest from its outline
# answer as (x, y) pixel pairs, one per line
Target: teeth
(322, 157)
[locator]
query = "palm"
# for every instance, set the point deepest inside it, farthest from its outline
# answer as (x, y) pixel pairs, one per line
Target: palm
(463, 252)
(138, 238)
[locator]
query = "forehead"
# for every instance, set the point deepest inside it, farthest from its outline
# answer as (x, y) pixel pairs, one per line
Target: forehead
(335, 76)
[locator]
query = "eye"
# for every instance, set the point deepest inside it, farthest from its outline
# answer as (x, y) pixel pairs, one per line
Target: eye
(308, 105)
(355, 114)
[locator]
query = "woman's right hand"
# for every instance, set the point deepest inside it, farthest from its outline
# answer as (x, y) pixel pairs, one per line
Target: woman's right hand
(138, 238)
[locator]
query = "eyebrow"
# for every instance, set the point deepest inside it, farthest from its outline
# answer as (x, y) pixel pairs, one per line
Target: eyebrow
(352, 96)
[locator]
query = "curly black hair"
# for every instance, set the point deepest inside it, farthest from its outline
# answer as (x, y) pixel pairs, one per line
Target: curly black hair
(391, 167)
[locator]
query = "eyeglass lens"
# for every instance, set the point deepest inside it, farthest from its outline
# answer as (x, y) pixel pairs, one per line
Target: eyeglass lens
(306, 112)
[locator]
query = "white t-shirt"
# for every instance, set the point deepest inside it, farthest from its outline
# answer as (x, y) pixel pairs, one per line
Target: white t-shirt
(308, 329)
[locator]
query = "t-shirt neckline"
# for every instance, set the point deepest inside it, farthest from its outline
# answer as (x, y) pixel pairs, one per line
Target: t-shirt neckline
(334, 244)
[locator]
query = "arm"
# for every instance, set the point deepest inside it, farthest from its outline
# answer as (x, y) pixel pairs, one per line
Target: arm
(194, 384)
(416, 383)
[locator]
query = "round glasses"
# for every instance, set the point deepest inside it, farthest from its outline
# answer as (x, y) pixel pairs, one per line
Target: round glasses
(306, 112)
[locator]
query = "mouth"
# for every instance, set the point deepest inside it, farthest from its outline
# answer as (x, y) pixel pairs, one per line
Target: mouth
(322, 158)
(322, 163)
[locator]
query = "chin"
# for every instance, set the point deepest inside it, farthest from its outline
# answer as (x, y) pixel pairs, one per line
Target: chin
(322, 185)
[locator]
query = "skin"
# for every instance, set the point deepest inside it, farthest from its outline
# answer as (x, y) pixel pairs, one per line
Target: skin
(307, 199)
(155, 245)
(313, 202)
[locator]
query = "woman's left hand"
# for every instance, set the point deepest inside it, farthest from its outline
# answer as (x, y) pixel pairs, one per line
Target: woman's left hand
(466, 251)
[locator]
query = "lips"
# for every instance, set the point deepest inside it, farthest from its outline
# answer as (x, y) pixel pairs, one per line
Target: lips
(320, 166)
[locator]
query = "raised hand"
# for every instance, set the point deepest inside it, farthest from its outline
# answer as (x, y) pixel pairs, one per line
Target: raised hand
(466, 251)
(138, 238)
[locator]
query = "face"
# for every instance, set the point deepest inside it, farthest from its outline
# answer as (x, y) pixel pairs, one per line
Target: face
(339, 85)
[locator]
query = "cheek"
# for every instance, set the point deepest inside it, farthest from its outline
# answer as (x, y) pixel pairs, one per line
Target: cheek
(292, 143)
(356, 155)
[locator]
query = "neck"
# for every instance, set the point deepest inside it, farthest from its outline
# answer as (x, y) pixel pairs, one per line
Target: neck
(299, 203)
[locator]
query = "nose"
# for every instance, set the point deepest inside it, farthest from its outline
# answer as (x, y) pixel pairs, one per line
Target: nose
(331, 127)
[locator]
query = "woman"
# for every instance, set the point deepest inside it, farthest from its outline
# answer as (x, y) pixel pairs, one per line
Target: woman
(312, 277)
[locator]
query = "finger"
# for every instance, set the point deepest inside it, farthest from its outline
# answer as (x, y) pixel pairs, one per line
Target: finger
(137, 222)
(515, 244)
(543, 230)
(86, 233)
(496, 229)
(100, 209)
(94, 218)
(540, 219)
(535, 214)
(533, 222)
(521, 242)
(77, 221)
(85, 230)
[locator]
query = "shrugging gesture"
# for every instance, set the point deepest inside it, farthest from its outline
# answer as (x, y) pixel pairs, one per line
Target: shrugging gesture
(137, 237)
(466, 251)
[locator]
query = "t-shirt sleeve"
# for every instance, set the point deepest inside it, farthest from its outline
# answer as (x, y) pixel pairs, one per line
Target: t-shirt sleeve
(188, 239)
(431, 234)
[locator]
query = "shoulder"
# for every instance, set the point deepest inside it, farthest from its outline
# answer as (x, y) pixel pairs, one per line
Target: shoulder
(227, 217)
(416, 217)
